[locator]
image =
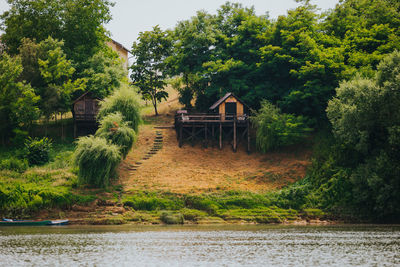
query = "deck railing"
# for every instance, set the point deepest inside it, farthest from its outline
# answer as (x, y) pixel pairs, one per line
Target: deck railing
(85, 117)
(209, 118)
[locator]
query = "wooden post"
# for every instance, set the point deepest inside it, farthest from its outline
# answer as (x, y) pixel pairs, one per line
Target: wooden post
(234, 135)
(205, 136)
(74, 129)
(220, 131)
(248, 135)
(213, 135)
(193, 133)
(180, 134)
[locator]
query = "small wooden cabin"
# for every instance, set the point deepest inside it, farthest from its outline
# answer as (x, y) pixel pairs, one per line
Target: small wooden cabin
(228, 119)
(228, 106)
(85, 109)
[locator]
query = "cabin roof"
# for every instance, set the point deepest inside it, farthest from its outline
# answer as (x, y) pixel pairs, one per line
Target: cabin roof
(225, 97)
(83, 95)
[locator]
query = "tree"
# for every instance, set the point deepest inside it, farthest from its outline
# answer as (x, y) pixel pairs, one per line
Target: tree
(18, 102)
(366, 121)
(104, 72)
(193, 42)
(78, 22)
(149, 70)
(276, 129)
(51, 75)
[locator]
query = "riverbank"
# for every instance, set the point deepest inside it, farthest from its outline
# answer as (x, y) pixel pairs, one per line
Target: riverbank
(171, 185)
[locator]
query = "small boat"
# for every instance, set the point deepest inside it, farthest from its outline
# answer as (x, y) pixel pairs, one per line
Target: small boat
(11, 222)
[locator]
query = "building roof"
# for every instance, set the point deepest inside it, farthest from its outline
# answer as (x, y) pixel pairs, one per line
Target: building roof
(86, 93)
(225, 97)
(120, 46)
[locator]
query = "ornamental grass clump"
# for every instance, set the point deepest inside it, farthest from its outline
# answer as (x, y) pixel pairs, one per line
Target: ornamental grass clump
(97, 160)
(116, 130)
(125, 101)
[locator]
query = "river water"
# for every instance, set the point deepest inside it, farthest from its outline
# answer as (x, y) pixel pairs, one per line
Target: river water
(234, 245)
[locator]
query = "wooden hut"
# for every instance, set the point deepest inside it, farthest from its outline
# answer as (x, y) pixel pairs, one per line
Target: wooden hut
(230, 105)
(85, 109)
(228, 120)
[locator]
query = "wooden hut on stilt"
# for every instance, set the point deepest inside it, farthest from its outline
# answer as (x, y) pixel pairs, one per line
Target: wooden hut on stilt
(85, 109)
(228, 120)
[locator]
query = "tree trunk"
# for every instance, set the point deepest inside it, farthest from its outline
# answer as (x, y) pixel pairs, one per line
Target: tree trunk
(155, 106)
(62, 128)
(154, 100)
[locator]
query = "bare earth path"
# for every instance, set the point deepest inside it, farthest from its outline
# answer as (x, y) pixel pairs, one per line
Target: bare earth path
(196, 169)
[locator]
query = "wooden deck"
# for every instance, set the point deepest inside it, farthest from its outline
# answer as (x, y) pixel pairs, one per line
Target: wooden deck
(213, 128)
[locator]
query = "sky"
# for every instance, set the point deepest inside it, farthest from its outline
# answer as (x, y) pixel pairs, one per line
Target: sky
(130, 17)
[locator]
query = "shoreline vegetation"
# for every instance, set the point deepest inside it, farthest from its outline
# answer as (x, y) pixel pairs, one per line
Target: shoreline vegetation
(52, 191)
(323, 90)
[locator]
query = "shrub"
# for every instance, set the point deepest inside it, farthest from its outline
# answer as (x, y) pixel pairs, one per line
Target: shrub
(200, 203)
(171, 218)
(38, 150)
(193, 215)
(97, 160)
(126, 101)
(276, 129)
(113, 128)
(150, 203)
(14, 164)
(19, 138)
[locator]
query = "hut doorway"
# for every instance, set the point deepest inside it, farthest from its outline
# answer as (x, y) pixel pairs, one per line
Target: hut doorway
(230, 108)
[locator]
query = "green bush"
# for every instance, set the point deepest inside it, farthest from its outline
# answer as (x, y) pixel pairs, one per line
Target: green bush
(38, 150)
(19, 138)
(171, 218)
(193, 215)
(152, 202)
(125, 101)
(201, 203)
(113, 128)
(276, 129)
(14, 164)
(97, 160)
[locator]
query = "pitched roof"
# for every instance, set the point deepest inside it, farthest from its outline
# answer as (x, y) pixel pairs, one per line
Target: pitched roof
(120, 46)
(86, 93)
(222, 99)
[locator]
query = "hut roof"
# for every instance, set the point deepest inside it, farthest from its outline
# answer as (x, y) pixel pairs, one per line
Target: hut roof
(225, 97)
(83, 95)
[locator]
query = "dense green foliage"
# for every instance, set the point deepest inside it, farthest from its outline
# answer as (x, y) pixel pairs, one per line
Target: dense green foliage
(295, 61)
(22, 195)
(18, 101)
(14, 164)
(78, 22)
(38, 150)
(104, 72)
(125, 101)
(97, 160)
(365, 117)
(149, 70)
(275, 129)
(117, 131)
(52, 52)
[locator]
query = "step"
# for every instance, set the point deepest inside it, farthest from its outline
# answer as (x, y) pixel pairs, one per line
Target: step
(138, 163)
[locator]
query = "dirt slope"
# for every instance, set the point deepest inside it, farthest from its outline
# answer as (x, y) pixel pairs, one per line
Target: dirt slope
(196, 169)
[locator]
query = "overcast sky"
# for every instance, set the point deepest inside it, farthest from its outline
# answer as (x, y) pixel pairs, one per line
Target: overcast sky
(133, 16)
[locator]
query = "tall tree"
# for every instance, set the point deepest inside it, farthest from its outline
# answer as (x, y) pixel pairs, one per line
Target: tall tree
(78, 22)
(18, 102)
(149, 69)
(51, 75)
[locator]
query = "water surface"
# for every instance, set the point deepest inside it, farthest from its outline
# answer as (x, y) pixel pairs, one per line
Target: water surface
(200, 246)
